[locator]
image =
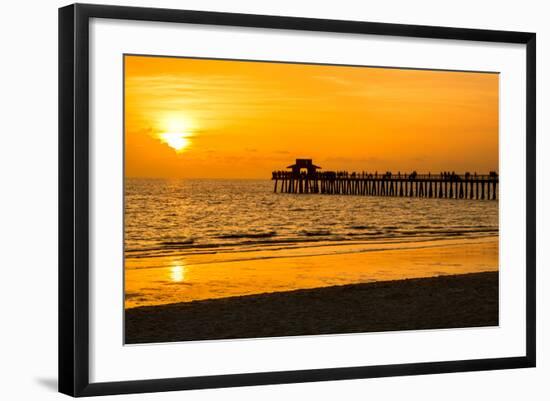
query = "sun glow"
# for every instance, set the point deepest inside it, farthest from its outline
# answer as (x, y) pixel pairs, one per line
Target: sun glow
(179, 141)
(176, 131)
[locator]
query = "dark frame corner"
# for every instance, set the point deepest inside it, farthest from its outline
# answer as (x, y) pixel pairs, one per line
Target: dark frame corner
(74, 191)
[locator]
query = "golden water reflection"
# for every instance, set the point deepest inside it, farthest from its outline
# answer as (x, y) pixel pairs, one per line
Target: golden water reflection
(177, 272)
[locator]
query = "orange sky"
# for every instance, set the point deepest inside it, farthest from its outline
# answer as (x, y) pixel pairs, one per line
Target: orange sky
(233, 119)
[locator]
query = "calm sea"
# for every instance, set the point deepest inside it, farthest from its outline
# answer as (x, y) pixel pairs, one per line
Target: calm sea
(211, 217)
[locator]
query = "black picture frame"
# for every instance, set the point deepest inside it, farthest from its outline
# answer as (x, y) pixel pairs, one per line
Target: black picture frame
(74, 198)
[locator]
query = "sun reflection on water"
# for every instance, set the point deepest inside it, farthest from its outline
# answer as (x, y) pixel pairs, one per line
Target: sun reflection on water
(177, 273)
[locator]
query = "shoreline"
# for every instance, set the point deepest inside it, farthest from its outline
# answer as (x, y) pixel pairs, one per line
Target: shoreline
(184, 249)
(182, 280)
(304, 249)
(449, 301)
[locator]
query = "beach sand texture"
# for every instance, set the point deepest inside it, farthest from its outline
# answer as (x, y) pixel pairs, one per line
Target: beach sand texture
(469, 300)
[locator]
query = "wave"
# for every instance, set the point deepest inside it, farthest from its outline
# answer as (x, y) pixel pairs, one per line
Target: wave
(243, 242)
(322, 250)
(315, 233)
(268, 234)
(178, 243)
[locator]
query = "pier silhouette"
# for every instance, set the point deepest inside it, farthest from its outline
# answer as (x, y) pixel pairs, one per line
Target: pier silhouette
(304, 178)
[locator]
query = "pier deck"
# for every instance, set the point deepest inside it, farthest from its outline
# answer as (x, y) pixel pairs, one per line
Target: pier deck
(443, 185)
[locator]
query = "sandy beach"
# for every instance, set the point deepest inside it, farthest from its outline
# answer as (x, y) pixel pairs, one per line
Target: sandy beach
(466, 300)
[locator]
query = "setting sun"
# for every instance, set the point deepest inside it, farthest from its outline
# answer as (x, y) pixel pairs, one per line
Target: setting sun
(178, 141)
(175, 131)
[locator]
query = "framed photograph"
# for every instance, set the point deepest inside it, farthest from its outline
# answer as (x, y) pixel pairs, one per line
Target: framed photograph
(250, 199)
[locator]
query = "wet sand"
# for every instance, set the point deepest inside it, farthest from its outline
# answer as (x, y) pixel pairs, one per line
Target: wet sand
(465, 300)
(186, 279)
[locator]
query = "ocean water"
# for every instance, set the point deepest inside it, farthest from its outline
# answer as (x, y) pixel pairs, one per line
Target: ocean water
(209, 218)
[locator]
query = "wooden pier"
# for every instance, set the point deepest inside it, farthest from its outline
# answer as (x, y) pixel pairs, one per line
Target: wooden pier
(305, 179)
